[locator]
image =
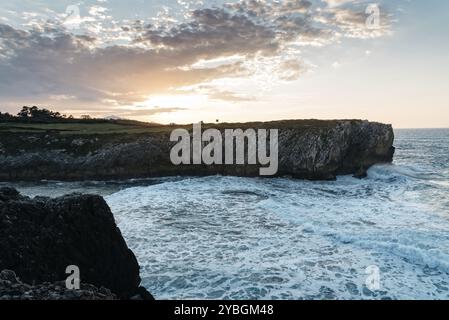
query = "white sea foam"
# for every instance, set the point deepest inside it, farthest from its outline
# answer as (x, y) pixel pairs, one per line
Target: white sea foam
(227, 237)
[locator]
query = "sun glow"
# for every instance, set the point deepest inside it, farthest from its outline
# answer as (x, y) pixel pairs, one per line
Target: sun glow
(190, 101)
(177, 107)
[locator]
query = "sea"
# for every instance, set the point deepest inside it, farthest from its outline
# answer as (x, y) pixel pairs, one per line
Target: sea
(383, 237)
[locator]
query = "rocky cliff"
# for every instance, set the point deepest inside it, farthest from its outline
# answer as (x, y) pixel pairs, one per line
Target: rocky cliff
(41, 237)
(12, 288)
(308, 149)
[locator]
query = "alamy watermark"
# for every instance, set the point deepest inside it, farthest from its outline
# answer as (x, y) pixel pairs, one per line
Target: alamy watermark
(372, 281)
(207, 148)
(72, 19)
(373, 20)
(73, 281)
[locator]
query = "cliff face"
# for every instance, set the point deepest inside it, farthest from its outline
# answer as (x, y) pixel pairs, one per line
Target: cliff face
(307, 149)
(41, 237)
(348, 147)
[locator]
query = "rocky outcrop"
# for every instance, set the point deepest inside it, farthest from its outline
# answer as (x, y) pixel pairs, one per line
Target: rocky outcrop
(347, 147)
(11, 288)
(308, 149)
(41, 237)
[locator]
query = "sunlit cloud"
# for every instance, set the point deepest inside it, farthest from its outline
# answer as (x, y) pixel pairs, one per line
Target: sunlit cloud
(114, 63)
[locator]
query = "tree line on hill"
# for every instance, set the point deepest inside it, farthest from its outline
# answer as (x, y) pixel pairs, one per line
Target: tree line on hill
(36, 114)
(41, 115)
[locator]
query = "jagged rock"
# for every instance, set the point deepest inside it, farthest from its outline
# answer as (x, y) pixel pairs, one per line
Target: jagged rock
(78, 142)
(40, 237)
(348, 147)
(11, 288)
(308, 149)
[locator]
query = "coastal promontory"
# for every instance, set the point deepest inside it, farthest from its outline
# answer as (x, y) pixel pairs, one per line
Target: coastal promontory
(308, 149)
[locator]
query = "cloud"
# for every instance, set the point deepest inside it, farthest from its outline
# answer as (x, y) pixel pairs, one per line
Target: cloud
(213, 33)
(290, 70)
(47, 62)
(57, 63)
(336, 3)
(142, 112)
(353, 22)
(215, 93)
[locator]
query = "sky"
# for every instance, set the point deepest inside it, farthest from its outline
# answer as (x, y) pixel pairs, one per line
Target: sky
(182, 61)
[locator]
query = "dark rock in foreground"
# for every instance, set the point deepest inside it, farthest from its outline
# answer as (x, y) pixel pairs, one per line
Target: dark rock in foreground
(40, 237)
(11, 288)
(308, 149)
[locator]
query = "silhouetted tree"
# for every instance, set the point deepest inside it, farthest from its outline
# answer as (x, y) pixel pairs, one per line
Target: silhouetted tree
(6, 116)
(36, 113)
(24, 113)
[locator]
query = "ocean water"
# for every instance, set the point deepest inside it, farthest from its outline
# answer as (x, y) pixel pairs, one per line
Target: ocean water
(257, 238)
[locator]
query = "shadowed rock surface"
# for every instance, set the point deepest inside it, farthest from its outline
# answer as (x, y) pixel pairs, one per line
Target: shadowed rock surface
(308, 149)
(11, 288)
(40, 237)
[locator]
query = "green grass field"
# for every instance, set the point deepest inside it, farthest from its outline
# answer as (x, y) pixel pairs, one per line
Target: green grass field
(134, 127)
(78, 128)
